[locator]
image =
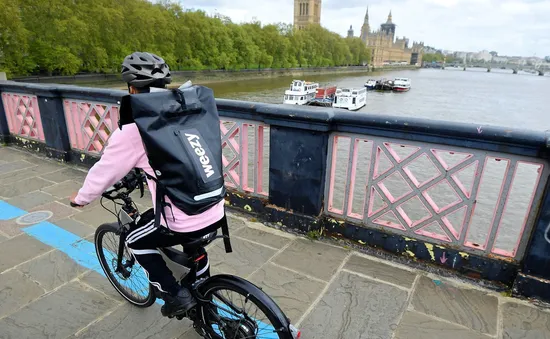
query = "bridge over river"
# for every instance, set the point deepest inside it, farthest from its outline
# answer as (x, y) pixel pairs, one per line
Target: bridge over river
(428, 228)
(539, 69)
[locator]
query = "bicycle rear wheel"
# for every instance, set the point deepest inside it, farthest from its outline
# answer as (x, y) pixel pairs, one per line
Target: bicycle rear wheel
(240, 310)
(136, 287)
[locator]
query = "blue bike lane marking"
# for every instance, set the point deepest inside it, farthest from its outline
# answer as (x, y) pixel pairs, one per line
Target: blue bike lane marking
(78, 249)
(83, 252)
(8, 211)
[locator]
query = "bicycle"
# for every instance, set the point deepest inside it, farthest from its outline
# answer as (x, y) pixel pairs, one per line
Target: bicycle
(211, 319)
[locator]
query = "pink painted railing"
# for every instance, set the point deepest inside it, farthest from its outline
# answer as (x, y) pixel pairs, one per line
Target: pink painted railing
(246, 155)
(23, 115)
(477, 201)
(245, 143)
(90, 124)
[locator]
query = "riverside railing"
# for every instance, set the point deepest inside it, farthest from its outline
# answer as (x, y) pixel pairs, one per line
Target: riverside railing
(467, 197)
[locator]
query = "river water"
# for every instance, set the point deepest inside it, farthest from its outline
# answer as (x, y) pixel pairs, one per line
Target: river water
(497, 98)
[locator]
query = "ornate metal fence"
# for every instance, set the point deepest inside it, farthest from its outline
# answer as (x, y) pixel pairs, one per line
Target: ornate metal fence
(23, 115)
(474, 200)
(90, 124)
(467, 197)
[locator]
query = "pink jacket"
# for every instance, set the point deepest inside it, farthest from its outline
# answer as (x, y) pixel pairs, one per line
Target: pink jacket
(123, 152)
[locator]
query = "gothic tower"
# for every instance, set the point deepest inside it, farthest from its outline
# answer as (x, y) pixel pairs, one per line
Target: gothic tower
(365, 29)
(306, 12)
(389, 27)
(350, 32)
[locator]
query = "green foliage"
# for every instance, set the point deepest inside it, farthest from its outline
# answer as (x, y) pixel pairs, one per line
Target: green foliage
(315, 234)
(437, 57)
(66, 37)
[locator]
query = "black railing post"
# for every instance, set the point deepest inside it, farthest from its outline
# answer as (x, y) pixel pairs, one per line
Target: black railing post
(53, 121)
(298, 159)
(534, 278)
(4, 129)
(297, 169)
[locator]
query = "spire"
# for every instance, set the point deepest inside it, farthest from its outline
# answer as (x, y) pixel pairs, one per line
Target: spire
(389, 18)
(350, 31)
(367, 16)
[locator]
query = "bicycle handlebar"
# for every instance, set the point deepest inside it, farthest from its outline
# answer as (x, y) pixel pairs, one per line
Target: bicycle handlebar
(130, 182)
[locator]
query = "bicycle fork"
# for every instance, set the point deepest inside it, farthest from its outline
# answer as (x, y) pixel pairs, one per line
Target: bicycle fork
(120, 268)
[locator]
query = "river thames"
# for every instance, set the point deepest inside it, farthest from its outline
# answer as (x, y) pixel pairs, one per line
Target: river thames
(475, 96)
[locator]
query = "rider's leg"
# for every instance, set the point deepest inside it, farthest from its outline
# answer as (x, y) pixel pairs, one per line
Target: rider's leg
(203, 269)
(143, 241)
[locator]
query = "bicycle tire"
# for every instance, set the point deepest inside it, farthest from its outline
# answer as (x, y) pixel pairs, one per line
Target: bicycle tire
(98, 240)
(262, 300)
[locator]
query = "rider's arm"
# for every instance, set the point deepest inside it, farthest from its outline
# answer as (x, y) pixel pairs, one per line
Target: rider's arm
(119, 157)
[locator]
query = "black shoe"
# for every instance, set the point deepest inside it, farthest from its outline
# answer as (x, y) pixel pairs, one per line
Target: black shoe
(178, 305)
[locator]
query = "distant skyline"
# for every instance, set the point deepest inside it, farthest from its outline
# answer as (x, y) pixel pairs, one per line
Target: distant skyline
(510, 27)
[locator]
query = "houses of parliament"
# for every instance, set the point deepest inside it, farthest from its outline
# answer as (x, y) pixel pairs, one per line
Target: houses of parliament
(385, 47)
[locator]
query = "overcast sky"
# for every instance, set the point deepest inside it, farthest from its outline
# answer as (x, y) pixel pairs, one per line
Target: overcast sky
(510, 27)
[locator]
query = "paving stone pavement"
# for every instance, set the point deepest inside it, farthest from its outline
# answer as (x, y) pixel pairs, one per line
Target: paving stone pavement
(329, 292)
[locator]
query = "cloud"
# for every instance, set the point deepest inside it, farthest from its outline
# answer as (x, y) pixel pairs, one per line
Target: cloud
(510, 27)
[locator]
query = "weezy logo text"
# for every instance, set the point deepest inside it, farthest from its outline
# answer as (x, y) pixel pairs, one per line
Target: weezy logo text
(194, 141)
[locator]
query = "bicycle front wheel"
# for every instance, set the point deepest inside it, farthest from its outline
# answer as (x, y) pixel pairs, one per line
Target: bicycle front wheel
(134, 286)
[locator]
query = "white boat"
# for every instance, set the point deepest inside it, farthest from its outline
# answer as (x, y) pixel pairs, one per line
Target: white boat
(401, 84)
(300, 92)
(370, 84)
(350, 98)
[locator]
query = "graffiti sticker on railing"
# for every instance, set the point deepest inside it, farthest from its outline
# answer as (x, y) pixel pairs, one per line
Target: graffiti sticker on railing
(477, 201)
(23, 115)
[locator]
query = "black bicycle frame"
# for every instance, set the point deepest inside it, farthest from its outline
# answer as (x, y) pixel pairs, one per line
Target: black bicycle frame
(119, 267)
(122, 241)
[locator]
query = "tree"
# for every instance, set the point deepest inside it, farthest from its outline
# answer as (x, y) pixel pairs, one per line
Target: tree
(13, 40)
(493, 53)
(67, 37)
(434, 57)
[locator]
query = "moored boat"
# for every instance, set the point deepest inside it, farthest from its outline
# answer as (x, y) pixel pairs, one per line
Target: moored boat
(323, 97)
(370, 84)
(350, 98)
(401, 84)
(384, 85)
(325, 92)
(300, 92)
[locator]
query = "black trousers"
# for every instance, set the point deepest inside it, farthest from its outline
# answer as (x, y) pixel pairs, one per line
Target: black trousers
(144, 239)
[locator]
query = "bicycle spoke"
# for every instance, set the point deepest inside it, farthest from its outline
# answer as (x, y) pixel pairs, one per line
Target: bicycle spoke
(232, 314)
(136, 285)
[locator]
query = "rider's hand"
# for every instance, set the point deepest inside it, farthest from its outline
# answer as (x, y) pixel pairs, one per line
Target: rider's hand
(73, 202)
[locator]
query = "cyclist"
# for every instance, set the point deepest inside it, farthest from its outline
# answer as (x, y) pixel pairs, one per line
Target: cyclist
(144, 73)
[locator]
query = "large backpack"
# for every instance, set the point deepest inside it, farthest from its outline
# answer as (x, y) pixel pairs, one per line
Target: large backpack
(180, 129)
